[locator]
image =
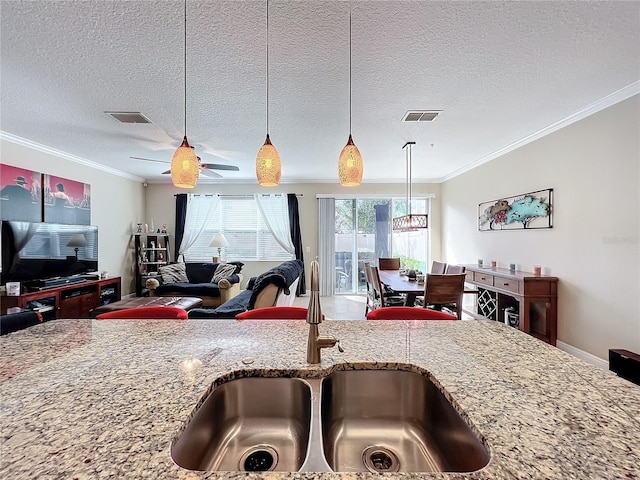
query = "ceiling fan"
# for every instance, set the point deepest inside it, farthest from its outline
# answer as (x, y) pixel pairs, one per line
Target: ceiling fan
(205, 168)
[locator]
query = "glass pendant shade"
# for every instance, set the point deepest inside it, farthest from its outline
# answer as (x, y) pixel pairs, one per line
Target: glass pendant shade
(268, 168)
(350, 165)
(185, 168)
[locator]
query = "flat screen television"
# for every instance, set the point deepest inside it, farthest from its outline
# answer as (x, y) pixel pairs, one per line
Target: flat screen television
(38, 251)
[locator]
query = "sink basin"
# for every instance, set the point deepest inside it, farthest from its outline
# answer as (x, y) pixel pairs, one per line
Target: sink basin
(248, 424)
(392, 420)
(381, 421)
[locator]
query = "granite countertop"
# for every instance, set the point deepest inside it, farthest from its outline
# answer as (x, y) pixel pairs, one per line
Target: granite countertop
(84, 399)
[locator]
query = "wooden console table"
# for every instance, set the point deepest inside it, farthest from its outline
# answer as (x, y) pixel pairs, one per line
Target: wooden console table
(534, 297)
(73, 300)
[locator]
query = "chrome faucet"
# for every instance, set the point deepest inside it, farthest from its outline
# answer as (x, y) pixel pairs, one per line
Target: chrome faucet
(316, 341)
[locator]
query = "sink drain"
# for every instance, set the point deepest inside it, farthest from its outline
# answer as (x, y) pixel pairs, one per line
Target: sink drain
(380, 460)
(261, 458)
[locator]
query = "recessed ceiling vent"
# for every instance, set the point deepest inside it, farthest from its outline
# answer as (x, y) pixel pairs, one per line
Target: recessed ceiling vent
(129, 117)
(421, 115)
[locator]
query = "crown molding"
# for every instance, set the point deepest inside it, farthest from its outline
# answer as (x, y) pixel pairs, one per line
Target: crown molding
(66, 156)
(608, 101)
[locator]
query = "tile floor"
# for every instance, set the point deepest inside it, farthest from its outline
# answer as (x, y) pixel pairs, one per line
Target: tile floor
(338, 307)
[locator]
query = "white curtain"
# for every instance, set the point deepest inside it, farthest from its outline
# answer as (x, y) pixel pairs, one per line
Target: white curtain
(275, 213)
(326, 245)
(200, 210)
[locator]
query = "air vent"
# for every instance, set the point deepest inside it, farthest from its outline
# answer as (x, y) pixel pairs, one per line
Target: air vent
(129, 117)
(421, 115)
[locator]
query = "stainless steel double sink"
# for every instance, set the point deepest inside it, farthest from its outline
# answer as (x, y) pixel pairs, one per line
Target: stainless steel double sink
(381, 421)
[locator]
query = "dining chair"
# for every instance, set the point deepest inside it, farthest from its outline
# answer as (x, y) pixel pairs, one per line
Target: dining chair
(438, 267)
(153, 311)
(383, 298)
(444, 291)
(454, 269)
(275, 313)
(342, 279)
(389, 263)
(371, 294)
(408, 313)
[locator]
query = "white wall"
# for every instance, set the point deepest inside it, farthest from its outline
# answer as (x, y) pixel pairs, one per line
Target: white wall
(593, 248)
(161, 207)
(116, 203)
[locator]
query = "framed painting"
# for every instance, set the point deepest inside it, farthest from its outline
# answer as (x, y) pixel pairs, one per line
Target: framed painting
(521, 212)
(20, 194)
(66, 201)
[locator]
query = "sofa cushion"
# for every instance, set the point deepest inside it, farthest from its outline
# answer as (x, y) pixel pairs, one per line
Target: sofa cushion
(204, 272)
(176, 272)
(223, 270)
(201, 272)
(187, 289)
(238, 265)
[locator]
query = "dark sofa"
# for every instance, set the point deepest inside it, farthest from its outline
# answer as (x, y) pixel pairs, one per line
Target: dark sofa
(12, 322)
(276, 286)
(200, 284)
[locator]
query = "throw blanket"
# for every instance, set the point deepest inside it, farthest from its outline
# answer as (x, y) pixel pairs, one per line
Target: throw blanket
(282, 276)
(229, 309)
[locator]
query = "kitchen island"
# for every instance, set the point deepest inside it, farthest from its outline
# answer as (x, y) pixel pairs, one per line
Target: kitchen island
(104, 399)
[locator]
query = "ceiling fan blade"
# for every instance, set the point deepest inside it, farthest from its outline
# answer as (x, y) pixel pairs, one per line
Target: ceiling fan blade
(209, 173)
(148, 160)
(219, 166)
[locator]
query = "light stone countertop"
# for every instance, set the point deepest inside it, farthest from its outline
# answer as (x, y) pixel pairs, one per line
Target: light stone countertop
(85, 399)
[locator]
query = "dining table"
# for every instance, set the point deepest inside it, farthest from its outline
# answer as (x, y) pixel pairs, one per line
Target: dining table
(401, 283)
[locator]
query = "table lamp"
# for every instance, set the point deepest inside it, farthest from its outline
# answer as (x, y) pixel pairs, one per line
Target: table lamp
(219, 241)
(77, 240)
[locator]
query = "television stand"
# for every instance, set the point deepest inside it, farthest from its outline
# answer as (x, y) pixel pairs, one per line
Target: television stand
(71, 300)
(38, 285)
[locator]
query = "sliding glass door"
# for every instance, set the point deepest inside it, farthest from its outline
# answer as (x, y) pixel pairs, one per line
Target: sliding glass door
(363, 234)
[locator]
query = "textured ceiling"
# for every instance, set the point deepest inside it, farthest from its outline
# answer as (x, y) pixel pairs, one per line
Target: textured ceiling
(499, 71)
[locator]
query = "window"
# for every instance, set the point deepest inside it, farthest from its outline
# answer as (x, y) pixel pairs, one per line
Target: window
(249, 237)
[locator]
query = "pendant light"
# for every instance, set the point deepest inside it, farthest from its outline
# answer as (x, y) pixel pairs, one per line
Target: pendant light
(409, 222)
(185, 167)
(268, 168)
(350, 164)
